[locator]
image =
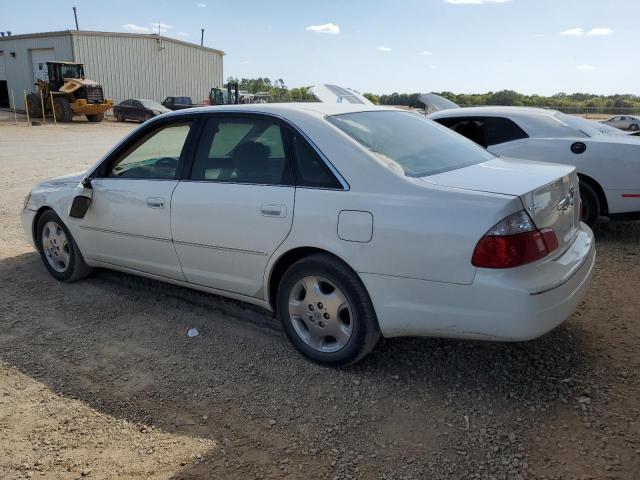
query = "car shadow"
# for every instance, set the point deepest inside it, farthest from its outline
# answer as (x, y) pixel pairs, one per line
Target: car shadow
(117, 343)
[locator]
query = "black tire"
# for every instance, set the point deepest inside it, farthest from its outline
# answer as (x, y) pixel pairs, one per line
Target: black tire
(34, 107)
(119, 117)
(98, 117)
(590, 204)
(634, 127)
(362, 320)
(76, 268)
(64, 112)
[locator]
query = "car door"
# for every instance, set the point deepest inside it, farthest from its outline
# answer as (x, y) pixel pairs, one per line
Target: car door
(236, 206)
(128, 223)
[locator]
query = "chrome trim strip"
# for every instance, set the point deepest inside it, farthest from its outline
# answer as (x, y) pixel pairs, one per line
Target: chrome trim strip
(115, 232)
(216, 247)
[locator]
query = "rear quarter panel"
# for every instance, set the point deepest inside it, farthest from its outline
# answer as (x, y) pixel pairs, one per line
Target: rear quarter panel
(424, 233)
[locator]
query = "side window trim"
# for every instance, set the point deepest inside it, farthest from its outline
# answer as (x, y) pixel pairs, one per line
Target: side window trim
(287, 129)
(131, 142)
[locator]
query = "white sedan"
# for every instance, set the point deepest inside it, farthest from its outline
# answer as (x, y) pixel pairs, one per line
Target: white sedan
(608, 163)
(348, 221)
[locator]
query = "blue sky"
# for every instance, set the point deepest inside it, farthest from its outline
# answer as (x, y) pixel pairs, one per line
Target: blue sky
(465, 46)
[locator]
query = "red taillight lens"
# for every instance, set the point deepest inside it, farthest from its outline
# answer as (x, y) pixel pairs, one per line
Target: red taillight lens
(513, 242)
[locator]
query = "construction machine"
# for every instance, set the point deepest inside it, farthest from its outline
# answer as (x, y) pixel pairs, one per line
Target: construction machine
(71, 92)
(218, 96)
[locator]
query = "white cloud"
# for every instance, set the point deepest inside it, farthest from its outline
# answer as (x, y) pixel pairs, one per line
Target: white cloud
(201, 5)
(425, 52)
(183, 34)
(132, 27)
(330, 28)
(584, 66)
(384, 49)
(573, 32)
(599, 31)
(160, 27)
(474, 2)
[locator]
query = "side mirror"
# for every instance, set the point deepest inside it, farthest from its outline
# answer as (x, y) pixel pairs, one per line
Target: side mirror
(83, 194)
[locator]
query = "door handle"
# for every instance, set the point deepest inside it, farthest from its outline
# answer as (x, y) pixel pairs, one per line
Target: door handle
(272, 210)
(155, 202)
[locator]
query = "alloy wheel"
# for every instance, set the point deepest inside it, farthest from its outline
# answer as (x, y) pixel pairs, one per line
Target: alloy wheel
(56, 247)
(320, 314)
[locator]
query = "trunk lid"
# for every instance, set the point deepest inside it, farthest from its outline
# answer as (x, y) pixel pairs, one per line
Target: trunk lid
(549, 192)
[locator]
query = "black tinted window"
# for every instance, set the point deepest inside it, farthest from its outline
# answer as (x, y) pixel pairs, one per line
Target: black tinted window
(241, 150)
(311, 171)
(485, 131)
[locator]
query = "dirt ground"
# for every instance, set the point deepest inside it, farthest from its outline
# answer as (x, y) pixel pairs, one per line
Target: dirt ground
(99, 380)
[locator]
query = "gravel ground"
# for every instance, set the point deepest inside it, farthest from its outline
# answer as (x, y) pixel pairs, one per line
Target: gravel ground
(99, 380)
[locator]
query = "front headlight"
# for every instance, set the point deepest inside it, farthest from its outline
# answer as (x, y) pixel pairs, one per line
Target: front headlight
(26, 201)
(156, 112)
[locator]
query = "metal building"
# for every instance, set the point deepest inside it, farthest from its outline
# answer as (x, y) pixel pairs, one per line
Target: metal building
(127, 65)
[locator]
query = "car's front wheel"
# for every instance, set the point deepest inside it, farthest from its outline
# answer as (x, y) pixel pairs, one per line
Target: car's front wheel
(326, 311)
(58, 249)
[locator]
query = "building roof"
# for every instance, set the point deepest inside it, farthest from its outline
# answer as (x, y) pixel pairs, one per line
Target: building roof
(108, 34)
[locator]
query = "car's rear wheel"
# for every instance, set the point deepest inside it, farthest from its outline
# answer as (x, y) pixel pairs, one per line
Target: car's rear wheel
(58, 250)
(590, 204)
(634, 127)
(119, 117)
(326, 311)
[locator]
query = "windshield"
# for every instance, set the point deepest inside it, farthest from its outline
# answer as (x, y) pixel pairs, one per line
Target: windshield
(418, 146)
(588, 128)
(152, 104)
(71, 71)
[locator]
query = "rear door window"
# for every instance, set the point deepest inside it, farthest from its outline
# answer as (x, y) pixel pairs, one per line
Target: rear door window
(241, 150)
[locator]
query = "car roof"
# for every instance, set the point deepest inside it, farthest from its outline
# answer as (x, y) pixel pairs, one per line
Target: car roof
(493, 111)
(282, 109)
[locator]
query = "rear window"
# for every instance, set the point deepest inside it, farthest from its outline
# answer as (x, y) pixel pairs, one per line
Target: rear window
(418, 146)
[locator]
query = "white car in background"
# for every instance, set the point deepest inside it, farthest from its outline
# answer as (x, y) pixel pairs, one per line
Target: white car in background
(608, 164)
(348, 221)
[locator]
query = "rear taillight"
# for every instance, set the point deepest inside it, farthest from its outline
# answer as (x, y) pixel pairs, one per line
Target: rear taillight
(512, 242)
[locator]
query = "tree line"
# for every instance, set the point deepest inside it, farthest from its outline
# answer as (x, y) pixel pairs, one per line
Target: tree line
(578, 102)
(560, 101)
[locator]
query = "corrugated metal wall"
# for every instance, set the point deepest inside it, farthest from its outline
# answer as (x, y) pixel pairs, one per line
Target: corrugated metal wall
(143, 67)
(19, 69)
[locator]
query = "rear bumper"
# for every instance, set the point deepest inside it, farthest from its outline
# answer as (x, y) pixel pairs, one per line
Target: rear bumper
(506, 305)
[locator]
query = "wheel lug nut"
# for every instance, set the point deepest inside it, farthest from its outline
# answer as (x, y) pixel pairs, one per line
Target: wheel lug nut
(319, 304)
(326, 316)
(321, 324)
(310, 307)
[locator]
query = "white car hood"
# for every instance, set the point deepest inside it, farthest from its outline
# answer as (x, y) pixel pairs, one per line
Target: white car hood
(70, 179)
(502, 175)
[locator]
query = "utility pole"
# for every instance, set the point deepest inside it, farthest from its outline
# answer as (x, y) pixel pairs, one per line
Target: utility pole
(75, 15)
(202, 37)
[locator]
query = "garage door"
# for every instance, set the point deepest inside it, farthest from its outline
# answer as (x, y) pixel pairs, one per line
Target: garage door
(39, 59)
(3, 71)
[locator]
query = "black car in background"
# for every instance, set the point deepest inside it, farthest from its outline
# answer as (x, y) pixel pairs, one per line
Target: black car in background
(138, 109)
(178, 103)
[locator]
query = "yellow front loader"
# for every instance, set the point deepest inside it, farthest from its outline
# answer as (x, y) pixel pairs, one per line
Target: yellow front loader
(72, 94)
